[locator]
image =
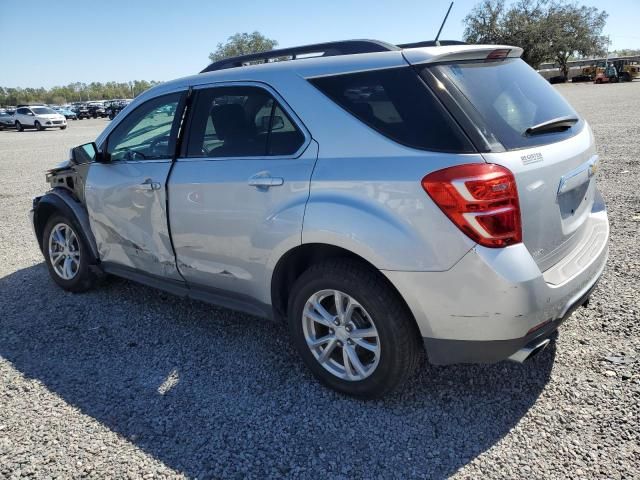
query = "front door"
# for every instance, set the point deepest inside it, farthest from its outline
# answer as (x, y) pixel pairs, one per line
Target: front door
(126, 195)
(239, 189)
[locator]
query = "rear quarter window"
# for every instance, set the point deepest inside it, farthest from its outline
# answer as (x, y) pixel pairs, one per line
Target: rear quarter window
(399, 105)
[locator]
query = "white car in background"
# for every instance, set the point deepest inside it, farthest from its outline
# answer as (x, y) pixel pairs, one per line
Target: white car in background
(38, 117)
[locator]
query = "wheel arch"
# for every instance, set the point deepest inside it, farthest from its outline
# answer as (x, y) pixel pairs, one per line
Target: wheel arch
(298, 259)
(61, 201)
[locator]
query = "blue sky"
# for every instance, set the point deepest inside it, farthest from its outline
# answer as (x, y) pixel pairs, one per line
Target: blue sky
(46, 43)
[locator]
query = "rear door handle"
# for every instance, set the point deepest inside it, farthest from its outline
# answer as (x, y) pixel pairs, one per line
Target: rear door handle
(149, 185)
(265, 181)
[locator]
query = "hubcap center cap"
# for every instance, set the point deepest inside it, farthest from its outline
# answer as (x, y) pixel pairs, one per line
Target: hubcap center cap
(342, 334)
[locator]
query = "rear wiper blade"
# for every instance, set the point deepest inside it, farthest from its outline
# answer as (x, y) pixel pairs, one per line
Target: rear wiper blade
(554, 125)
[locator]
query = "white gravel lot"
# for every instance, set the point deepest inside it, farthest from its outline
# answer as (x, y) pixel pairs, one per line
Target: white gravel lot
(125, 381)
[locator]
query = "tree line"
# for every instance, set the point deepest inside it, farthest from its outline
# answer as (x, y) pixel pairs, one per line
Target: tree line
(547, 30)
(74, 92)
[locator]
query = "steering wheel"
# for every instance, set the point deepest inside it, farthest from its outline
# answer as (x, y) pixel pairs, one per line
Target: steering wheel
(131, 154)
(157, 141)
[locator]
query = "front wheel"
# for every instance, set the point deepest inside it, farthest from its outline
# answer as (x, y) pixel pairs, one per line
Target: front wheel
(67, 255)
(63, 127)
(19, 126)
(38, 126)
(352, 330)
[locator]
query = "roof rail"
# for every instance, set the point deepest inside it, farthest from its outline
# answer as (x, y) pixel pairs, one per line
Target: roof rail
(346, 47)
(432, 43)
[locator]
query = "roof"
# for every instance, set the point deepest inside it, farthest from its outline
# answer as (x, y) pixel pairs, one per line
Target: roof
(384, 56)
(327, 49)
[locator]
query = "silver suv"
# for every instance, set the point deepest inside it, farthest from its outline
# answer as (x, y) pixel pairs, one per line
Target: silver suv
(384, 201)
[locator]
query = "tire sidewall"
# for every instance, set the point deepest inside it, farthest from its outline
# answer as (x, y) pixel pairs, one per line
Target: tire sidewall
(83, 278)
(376, 383)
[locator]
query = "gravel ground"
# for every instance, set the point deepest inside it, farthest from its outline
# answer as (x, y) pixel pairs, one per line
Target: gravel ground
(125, 381)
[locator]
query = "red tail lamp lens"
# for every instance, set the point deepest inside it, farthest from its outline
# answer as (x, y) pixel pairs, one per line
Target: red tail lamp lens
(481, 199)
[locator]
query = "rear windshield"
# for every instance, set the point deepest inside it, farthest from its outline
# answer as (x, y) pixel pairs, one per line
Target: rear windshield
(510, 97)
(398, 104)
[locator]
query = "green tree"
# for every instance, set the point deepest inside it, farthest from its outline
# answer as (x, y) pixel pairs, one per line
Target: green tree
(626, 52)
(74, 92)
(242, 44)
(575, 30)
(544, 29)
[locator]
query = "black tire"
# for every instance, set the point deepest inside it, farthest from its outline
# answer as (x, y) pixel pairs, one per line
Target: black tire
(63, 127)
(400, 345)
(84, 278)
(19, 126)
(38, 126)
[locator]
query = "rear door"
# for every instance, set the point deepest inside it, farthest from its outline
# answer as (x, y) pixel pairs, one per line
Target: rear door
(532, 130)
(25, 116)
(239, 189)
(126, 196)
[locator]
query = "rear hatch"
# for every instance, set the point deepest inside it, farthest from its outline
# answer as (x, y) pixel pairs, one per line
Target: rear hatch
(519, 121)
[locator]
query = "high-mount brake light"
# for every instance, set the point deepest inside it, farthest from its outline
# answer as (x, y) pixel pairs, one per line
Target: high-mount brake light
(481, 199)
(498, 54)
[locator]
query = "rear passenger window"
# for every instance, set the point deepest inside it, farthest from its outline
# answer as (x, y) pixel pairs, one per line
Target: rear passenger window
(240, 122)
(396, 103)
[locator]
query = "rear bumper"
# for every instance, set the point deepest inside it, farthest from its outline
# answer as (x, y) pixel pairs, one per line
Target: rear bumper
(445, 351)
(495, 301)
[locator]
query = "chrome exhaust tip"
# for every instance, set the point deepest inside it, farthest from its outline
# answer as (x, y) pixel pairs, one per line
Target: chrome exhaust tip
(529, 351)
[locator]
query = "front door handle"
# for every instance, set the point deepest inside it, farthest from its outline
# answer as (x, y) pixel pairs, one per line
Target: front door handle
(148, 185)
(265, 181)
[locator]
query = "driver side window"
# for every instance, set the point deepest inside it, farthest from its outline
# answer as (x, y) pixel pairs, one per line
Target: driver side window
(147, 133)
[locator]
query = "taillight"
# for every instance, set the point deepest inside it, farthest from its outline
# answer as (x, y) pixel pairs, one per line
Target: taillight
(481, 199)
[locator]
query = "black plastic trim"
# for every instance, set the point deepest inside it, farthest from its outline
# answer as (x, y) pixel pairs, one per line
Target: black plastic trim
(329, 49)
(214, 296)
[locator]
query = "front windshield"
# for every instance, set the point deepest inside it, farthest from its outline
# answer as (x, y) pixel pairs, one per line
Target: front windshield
(42, 110)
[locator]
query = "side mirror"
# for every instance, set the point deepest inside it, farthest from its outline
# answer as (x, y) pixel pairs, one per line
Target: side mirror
(278, 123)
(31, 114)
(86, 153)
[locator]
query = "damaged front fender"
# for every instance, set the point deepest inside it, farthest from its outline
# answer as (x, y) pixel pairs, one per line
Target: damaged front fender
(62, 200)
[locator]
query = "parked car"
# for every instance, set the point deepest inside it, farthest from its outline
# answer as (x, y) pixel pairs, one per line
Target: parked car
(68, 114)
(6, 120)
(381, 201)
(96, 109)
(82, 111)
(114, 107)
(38, 117)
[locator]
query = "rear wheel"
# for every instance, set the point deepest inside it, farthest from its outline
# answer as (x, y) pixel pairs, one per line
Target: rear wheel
(38, 126)
(19, 126)
(67, 255)
(352, 330)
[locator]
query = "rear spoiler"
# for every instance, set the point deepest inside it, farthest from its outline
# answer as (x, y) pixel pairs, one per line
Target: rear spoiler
(460, 53)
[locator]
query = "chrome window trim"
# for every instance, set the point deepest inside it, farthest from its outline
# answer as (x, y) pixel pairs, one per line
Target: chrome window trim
(153, 160)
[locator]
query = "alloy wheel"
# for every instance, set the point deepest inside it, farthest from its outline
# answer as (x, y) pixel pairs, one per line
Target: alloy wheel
(341, 335)
(64, 251)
